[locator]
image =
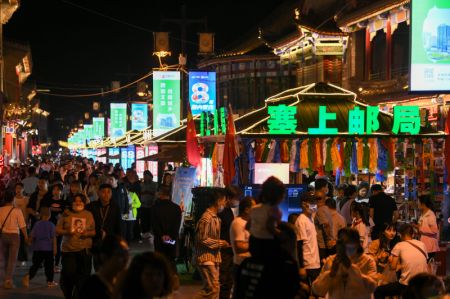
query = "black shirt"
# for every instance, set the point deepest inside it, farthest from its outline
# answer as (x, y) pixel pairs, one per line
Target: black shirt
(166, 219)
(57, 207)
(226, 217)
(106, 218)
(94, 288)
(384, 207)
(274, 278)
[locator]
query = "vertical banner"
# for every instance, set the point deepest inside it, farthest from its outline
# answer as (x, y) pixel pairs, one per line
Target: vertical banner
(202, 92)
(99, 127)
(131, 156)
(139, 116)
(140, 164)
(81, 138)
(113, 155)
(166, 101)
(182, 185)
(88, 131)
(152, 149)
(118, 119)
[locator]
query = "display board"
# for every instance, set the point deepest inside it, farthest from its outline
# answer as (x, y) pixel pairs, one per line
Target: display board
(430, 45)
(265, 170)
(139, 116)
(118, 119)
(166, 101)
(99, 127)
(202, 92)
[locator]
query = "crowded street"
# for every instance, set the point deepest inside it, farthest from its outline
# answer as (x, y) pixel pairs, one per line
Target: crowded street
(290, 149)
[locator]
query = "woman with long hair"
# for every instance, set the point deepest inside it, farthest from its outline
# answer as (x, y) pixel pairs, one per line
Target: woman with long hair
(77, 228)
(361, 223)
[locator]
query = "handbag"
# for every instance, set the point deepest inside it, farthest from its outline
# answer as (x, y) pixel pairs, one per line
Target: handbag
(6, 219)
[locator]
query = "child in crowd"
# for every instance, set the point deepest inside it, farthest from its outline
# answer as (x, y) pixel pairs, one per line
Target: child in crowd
(265, 217)
(43, 242)
(361, 224)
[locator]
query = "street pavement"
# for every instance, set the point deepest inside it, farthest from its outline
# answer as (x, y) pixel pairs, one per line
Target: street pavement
(39, 290)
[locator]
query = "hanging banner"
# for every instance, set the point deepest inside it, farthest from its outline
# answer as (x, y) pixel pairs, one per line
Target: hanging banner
(182, 186)
(202, 92)
(88, 131)
(118, 119)
(140, 164)
(99, 127)
(139, 116)
(152, 149)
(166, 101)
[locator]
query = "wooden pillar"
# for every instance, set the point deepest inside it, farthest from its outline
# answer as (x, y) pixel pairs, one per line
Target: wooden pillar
(388, 48)
(368, 55)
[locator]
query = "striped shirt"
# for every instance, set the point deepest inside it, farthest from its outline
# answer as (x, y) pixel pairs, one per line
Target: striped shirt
(207, 239)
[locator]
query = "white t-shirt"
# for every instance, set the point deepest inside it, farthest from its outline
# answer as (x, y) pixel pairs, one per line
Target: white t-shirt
(239, 233)
(259, 216)
(363, 231)
(306, 232)
(14, 222)
(412, 260)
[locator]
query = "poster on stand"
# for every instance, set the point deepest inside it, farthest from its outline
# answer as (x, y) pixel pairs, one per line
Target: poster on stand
(182, 186)
(166, 101)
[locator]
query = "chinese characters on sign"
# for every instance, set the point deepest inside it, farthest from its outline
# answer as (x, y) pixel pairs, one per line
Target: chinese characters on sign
(282, 119)
(406, 119)
(166, 101)
(202, 92)
(118, 119)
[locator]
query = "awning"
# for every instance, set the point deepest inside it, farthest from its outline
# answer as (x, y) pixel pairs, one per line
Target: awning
(169, 153)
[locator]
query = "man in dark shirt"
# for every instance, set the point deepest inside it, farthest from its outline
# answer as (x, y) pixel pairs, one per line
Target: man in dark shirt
(106, 214)
(226, 216)
(383, 209)
(165, 222)
(120, 197)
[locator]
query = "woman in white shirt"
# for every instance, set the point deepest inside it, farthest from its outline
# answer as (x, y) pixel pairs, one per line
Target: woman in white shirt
(21, 202)
(427, 227)
(11, 224)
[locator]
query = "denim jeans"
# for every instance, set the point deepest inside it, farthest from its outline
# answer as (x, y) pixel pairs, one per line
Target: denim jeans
(210, 279)
(10, 248)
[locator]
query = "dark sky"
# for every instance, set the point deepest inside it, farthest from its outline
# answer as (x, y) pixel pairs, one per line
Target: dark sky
(74, 49)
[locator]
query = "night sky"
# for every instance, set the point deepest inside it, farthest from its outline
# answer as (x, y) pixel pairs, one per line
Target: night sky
(77, 51)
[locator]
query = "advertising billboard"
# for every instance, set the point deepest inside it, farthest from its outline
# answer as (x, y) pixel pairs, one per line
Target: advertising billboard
(265, 170)
(202, 92)
(88, 131)
(139, 116)
(118, 119)
(430, 45)
(99, 127)
(166, 101)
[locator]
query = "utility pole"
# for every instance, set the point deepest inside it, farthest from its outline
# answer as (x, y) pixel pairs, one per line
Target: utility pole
(183, 22)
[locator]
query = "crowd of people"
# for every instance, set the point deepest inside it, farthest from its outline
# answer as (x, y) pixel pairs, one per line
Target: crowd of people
(80, 217)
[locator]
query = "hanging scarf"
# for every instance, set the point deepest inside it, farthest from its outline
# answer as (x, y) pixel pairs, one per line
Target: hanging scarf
(214, 158)
(382, 162)
(354, 159)
(335, 155)
(297, 154)
(259, 149)
(271, 154)
(390, 145)
(310, 155)
(379, 176)
(347, 158)
(328, 161)
(292, 155)
(373, 155)
(318, 161)
(341, 154)
(251, 161)
(360, 152)
(284, 151)
(366, 154)
(304, 163)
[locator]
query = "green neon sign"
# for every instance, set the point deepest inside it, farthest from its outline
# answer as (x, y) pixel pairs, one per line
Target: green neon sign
(282, 119)
(323, 117)
(406, 119)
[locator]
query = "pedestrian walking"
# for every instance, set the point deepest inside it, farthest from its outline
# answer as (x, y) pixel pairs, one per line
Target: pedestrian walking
(21, 202)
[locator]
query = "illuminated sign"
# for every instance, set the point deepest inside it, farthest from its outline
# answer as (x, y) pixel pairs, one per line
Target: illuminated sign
(202, 92)
(213, 123)
(139, 116)
(430, 45)
(99, 127)
(406, 120)
(88, 131)
(118, 119)
(166, 101)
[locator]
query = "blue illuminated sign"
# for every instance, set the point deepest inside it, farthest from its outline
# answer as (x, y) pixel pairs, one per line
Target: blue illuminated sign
(202, 92)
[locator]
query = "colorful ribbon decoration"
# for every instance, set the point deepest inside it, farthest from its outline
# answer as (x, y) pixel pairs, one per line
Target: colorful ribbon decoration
(328, 157)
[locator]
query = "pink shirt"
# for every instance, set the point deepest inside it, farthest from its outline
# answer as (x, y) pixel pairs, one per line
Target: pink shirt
(429, 231)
